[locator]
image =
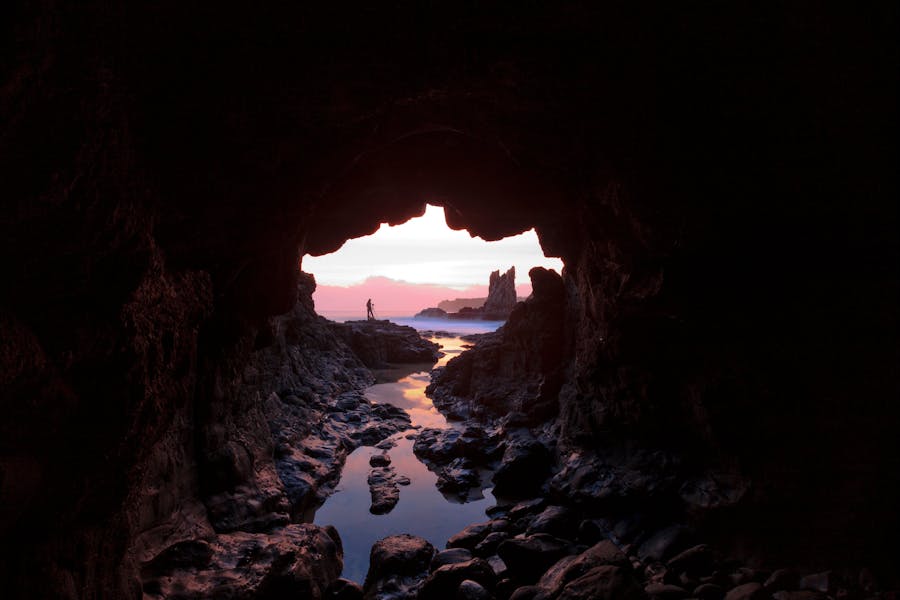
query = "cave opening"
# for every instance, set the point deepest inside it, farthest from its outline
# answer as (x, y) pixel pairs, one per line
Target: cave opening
(704, 399)
(425, 275)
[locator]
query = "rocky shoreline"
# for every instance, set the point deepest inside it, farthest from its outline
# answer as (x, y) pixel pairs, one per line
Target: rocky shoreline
(306, 411)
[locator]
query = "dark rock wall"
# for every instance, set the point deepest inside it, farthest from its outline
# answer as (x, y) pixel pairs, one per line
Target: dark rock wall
(720, 182)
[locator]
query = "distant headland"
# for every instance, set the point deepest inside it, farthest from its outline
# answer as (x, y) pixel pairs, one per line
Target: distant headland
(500, 301)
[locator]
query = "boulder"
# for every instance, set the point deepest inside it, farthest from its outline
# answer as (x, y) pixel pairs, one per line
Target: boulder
(748, 591)
(606, 582)
(442, 584)
(529, 557)
(398, 563)
(383, 490)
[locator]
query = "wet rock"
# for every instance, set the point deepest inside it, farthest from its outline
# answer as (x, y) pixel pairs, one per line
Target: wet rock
(398, 565)
(444, 581)
(527, 507)
(489, 544)
(555, 520)
(450, 556)
(524, 467)
(402, 480)
(470, 537)
(299, 560)
(606, 582)
(529, 557)
(617, 480)
(472, 590)
(383, 490)
(379, 343)
(458, 478)
(343, 589)
(572, 567)
(380, 460)
(747, 591)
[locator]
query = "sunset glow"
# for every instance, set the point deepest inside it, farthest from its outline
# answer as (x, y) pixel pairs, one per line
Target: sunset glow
(416, 264)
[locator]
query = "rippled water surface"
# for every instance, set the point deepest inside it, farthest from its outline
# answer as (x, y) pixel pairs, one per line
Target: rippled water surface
(422, 509)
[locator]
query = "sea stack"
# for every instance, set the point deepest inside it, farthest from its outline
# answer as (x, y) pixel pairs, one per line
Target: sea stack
(501, 295)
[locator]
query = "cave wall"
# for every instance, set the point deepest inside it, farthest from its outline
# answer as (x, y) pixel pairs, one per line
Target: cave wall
(720, 182)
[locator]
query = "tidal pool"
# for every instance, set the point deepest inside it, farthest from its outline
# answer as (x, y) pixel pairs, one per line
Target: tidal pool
(422, 509)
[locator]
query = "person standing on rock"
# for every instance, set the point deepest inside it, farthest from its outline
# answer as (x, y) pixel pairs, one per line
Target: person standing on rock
(370, 314)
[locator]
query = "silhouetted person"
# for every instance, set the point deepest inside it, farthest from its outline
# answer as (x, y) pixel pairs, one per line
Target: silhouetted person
(370, 314)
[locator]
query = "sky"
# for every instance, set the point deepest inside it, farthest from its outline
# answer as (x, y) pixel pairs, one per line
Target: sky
(402, 266)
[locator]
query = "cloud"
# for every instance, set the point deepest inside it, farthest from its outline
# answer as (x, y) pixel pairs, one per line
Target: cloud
(425, 251)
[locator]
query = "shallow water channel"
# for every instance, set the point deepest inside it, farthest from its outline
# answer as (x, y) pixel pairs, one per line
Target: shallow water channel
(422, 509)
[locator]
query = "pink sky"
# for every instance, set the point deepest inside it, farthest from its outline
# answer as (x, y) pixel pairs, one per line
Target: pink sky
(394, 298)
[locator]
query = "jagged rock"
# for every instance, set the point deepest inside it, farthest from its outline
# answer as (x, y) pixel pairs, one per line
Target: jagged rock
(458, 477)
(431, 313)
(300, 560)
(524, 467)
(501, 295)
(380, 343)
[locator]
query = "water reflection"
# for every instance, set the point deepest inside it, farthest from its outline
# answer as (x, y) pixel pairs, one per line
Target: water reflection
(422, 509)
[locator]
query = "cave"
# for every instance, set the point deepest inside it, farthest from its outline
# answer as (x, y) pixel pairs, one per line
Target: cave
(719, 181)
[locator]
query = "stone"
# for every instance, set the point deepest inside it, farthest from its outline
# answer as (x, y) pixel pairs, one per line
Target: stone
(443, 582)
(469, 537)
(747, 591)
(383, 490)
(555, 520)
(605, 582)
(523, 469)
(380, 460)
(450, 556)
(403, 553)
(529, 557)
(296, 560)
(472, 590)
(489, 544)
(458, 477)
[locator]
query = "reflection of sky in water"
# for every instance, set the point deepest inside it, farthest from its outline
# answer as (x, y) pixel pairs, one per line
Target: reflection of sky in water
(422, 510)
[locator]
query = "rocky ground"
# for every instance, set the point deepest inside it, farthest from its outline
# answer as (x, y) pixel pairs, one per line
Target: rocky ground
(306, 412)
